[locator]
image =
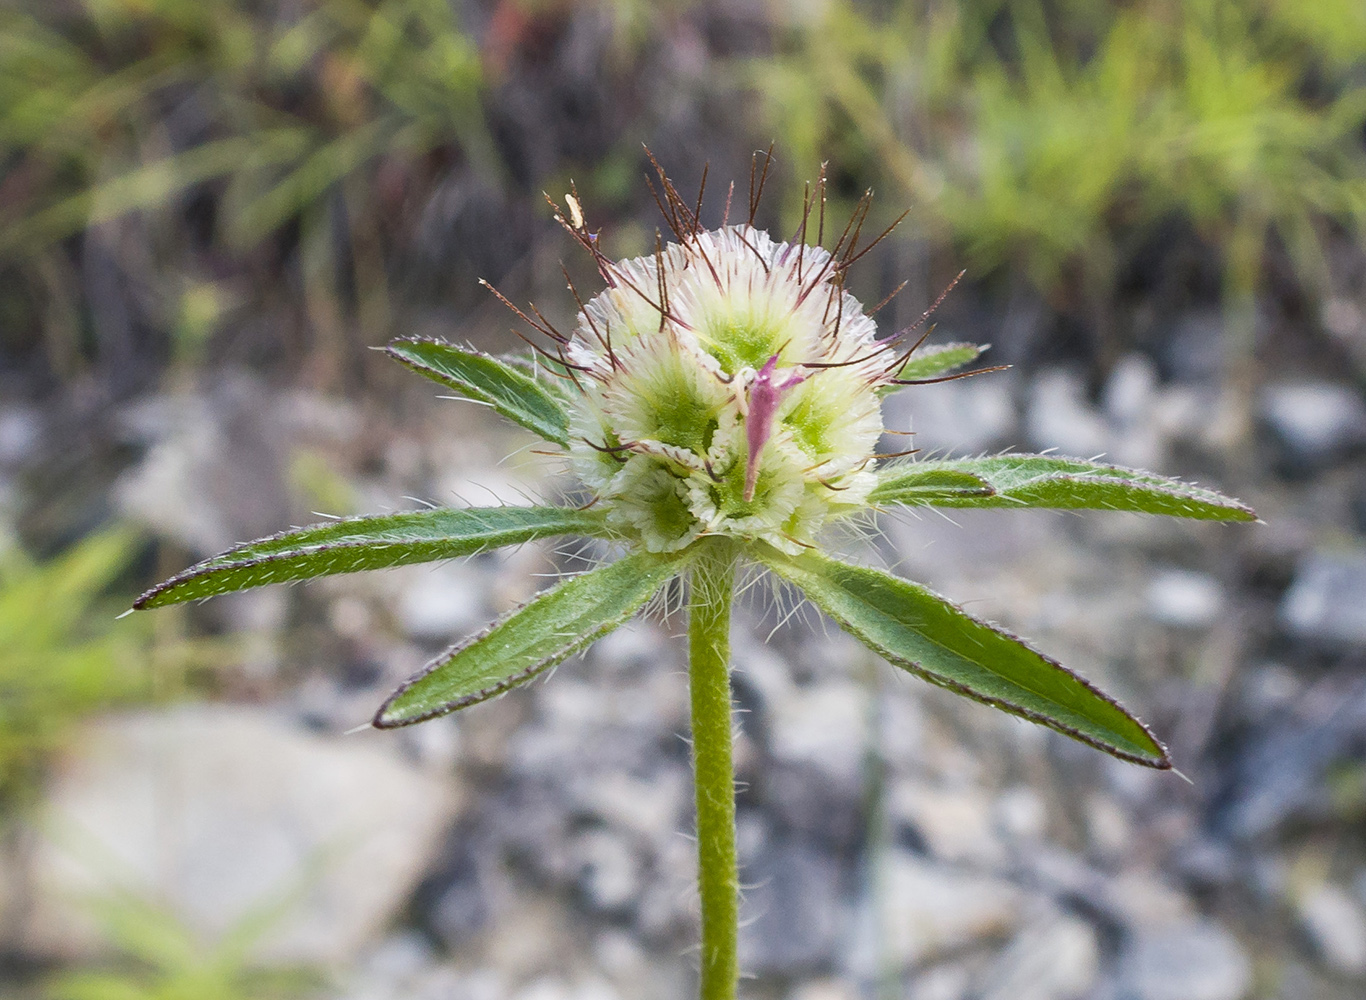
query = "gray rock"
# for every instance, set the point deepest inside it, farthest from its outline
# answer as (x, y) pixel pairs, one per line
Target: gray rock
(1336, 928)
(219, 811)
(438, 603)
(954, 823)
(1326, 603)
(823, 726)
(1056, 958)
(1061, 417)
(1314, 422)
(1190, 960)
(1132, 403)
(945, 981)
(1184, 598)
(21, 430)
(214, 474)
(928, 910)
(824, 989)
(795, 912)
(609, 870)
(1193, 350)
(964, 417)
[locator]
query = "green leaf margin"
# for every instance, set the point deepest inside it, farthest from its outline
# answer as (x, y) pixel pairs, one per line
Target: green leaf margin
(551, 627)
(1052, 482)
(892, 617)
(363, 543)
(513, 393)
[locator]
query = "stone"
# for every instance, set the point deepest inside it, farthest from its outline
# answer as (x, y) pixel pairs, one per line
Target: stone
(547, 988)
(1131, 401)
(219, 811)
(438, 603)
(822, 725)
(930, 909)
(1188, 960)
(1056, 958)
(947, 981)
(1315, 423)
(214, 472)
(1336, 928)
(1060, 416)
(955, 824)
(1193, 350)
(1184, 598)
(824, 989)
(963, 418)
(1326, 603)
(21, 431)
(609, 872)
(795, 911)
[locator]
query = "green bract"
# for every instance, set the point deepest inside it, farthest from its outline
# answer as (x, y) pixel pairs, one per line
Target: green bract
(721, 401)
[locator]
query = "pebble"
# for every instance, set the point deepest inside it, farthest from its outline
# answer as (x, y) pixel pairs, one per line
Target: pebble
(1190, 960)
(795, 913)
(1184, 598)
(437, 603)
(1055, 958)
(822, 725)
(1326, 603)
(21, 431)
(823, 989)
(1193, 350)
(954, 824)
(219, 811)
(1315, 423)
(1060, 416)
(1336, 928)
(928, 909)
(962, 418)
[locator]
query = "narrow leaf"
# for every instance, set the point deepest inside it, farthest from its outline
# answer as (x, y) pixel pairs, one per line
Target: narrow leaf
(553, 626)
(935, 360)
(512, 393)
(369, 543)
(920, 632)
(1044, 481)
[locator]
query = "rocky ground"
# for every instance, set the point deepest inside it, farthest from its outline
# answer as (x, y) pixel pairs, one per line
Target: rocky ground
(897, 841)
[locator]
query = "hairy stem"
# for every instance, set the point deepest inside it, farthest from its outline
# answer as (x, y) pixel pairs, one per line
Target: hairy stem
(713, 589)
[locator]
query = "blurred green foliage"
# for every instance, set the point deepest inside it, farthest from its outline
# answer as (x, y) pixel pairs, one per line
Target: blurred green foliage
(61, 655)
(1050, 137)
(64, 654)
(312, 115)
(283, 103)
(163, 960)
(276, 155)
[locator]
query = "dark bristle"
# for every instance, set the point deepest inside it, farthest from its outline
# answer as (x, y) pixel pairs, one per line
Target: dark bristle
(948, 378)
(701, 190)
(895, 292)
(851, 260)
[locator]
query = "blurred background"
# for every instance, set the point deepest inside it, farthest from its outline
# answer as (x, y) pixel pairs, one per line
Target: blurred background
(211, 210)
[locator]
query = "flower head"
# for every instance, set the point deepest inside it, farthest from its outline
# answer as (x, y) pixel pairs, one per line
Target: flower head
(729, 387)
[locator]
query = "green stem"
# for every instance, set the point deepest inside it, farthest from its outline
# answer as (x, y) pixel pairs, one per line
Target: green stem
(718, 879)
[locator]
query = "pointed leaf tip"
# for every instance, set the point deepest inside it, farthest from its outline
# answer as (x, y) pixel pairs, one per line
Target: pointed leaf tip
(920, 632)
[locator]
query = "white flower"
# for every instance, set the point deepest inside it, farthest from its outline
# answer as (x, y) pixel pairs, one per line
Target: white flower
(729, 386)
